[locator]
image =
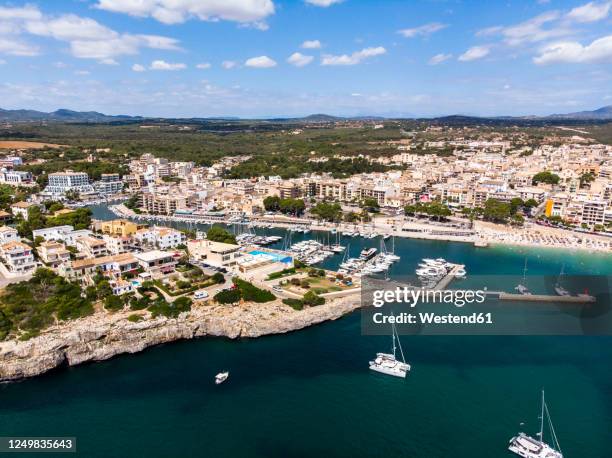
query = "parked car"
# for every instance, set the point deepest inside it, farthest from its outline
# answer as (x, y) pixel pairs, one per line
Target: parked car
(200, 294)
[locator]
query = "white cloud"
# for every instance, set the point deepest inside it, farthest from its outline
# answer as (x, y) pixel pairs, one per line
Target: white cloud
(323, 3)
(105, 51)
(163, 65)
(439, 58)
(353, 59)
(533, 30)
(474, 53)
(203, 65)
(573, 52)
(177, 11)
(87, 38)
(17, 48)
(2, 62)
(25, 13)
(138, 68)
(311, 44)
(590, 12)
(299, 60)
(70, 27)
(82, 72)
(229, 64)
(260, 62)
(423, 30)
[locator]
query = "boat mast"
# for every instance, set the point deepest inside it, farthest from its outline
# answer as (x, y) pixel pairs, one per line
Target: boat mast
(542, 420)
(393, 338)
(556, 444)
(399, 344)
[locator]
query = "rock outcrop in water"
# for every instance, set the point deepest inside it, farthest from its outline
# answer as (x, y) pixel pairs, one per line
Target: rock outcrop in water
(104, 335)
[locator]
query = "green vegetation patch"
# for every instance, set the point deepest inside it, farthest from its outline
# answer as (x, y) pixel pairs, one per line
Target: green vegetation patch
(30, 306)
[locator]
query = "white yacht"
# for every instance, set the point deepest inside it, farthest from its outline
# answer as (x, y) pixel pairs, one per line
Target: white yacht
(460, 273)
(387, 363)
(530, 447)
(367, 253)
(522, 287)
(221, 377)
(559, 289)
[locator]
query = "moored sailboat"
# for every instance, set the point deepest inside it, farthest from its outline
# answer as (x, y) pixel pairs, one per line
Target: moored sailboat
(530, 447)
(387, 363)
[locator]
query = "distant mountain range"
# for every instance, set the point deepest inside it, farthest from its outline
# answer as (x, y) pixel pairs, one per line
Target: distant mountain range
(601, 113)
(61, 115)
(64, 115)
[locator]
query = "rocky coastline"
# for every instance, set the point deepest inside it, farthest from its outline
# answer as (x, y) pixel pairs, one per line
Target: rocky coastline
(104, 335)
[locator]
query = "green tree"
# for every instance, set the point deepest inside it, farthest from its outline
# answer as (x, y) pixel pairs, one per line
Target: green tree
(228, 296)
(515, 204)
(496, 211)
(311, 298)
(327, 211)
(219, 234)
(586, 178)
(545, 177)
(370, 204)
(113, 303)
(272, 203)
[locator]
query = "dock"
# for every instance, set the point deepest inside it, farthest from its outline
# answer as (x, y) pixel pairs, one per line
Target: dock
(581, 299)
(503, 296)
(448, 278)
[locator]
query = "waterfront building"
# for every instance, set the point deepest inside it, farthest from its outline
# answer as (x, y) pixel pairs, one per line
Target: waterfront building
(120, 227)
(163, 238)
(85, 269)
(91, 247)
(62, 182)
(216, 254)
(157, 263)
(120, 286)
(17, 257)
(109, 184)
(58, 233)
(53, 253)
(117, 244)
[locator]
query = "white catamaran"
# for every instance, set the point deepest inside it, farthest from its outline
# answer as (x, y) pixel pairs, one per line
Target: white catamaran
(529, 447)
(386, 363)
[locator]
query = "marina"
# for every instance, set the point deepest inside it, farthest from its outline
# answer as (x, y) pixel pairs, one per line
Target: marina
(327, 366)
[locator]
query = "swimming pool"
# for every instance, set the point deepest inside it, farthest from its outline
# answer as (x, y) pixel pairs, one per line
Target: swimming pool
(275, 256)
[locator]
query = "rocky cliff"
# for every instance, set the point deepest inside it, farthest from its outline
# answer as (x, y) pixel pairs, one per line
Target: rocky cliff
(104, 335)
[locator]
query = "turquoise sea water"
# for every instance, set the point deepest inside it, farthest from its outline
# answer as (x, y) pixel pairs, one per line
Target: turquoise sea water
(309, 393)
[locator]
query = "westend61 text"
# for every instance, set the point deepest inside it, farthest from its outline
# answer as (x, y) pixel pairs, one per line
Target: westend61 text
(432, 318)
(412, 297)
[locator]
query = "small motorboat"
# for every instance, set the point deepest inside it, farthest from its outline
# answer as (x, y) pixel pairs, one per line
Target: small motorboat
(221, 377)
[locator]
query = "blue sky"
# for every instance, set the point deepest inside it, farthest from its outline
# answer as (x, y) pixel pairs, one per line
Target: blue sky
(259, 58)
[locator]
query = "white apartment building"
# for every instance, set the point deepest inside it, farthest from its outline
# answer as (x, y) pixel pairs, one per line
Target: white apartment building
(15, 178)
(53, 253)
(62, 182)
(593, 212)
(17, 257)
(117, 244)
(22, 209)
(53, 233)
(8, 234)
(110, 183)
(163, 238)
(91, 246)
